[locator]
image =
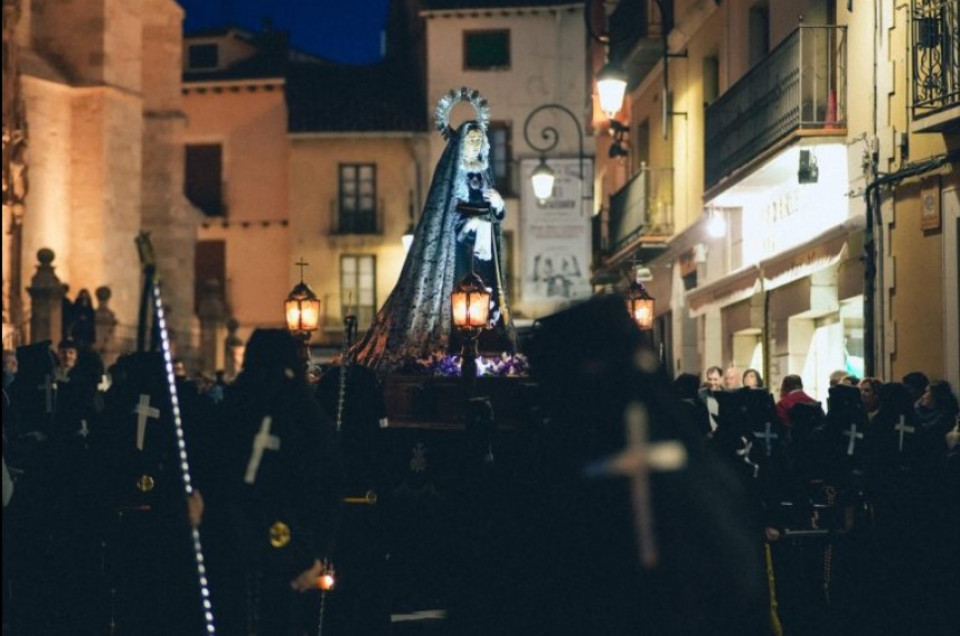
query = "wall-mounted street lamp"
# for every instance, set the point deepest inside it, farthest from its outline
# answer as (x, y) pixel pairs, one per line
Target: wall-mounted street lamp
(302, 309)
(640, 304)
(543, 176)
(543, 179)
(611, 80)
(470, 304)
(611, 88)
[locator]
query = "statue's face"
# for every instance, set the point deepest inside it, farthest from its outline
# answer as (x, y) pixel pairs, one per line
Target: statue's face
(472, 144)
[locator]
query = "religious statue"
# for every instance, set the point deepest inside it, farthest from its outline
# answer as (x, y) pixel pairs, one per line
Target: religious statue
(14, 163)
(458, 232)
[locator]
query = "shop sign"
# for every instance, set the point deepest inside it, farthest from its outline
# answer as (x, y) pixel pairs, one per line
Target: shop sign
(556, 233)
(930, 206)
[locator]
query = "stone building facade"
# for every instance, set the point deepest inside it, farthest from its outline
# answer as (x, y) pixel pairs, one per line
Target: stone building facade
(101, 92)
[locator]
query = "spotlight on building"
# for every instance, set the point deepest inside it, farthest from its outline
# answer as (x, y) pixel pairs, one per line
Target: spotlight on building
(716, 223)
(808, 171)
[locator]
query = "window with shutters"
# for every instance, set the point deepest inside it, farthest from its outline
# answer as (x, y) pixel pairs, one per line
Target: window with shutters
(357, 212)
(358, 290)
(501, 157)
(487, 50)
(203, 182)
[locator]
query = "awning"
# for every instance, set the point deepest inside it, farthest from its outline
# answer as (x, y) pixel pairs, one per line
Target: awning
(826, 250)
(803, 260)
(729, 289)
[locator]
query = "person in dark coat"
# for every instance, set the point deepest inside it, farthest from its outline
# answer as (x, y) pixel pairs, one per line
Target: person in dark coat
(588, 568)
(28, 424)
(351, 397)
(82, 320)
(280, 492)
(152, 582)
(687, 387)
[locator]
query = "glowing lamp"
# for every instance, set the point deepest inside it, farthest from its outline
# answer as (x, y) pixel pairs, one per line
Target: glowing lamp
(543, 178)
(611, 87)
(716, 224)
(302, 308)
(470, 302)
(326, 581)
(640, 305)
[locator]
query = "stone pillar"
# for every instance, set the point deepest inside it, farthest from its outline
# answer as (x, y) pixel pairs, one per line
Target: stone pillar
(46, 295)
(211, 311)
(232, 348)
(14, 168)
(106, 323)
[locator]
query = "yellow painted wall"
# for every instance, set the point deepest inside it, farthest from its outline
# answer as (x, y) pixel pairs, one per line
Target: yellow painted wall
(313, 191)
(257, 261)
(915, 312)
(252, 127)
(916, 302)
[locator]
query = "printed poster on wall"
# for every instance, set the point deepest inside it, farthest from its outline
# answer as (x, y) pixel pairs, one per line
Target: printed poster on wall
(556, 232)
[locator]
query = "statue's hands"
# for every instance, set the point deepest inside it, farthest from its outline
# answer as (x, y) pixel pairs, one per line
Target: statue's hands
(494, 198)
(482, 237)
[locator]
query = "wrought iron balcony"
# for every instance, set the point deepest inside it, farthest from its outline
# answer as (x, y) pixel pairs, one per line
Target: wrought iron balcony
(936, 56)
(640, 211)
(355, 221)
(637, 29)
(800, 86)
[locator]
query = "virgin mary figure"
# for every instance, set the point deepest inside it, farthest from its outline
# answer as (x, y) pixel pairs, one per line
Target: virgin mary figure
(458, 232)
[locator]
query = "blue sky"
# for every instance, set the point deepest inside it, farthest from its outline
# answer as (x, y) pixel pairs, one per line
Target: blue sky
(347, 31)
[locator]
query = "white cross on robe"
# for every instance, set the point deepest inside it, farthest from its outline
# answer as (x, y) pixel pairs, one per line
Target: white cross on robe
(767, 435)
(48, 387)
(903, 428)
(104, 384)
(636, 462)
(744, 451)
(853, 435)
(261, 441)
(144, 411)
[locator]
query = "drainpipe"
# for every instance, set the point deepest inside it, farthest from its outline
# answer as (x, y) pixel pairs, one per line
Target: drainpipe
(766, 332)
(872, 197)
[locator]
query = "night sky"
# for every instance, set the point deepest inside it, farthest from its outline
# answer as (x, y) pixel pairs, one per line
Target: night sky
(346, 31)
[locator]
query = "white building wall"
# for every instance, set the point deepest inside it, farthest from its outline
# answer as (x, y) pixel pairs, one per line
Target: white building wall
(547, 65)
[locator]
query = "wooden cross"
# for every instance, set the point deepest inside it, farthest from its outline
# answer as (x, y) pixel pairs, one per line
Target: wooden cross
(48, 387)
(636, 461)
(903, 428)
(853, 435)
(767, 435)
(261, 441)
(144, 411)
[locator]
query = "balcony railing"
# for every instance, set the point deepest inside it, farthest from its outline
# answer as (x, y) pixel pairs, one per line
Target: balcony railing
(643, 206)
(936, 56)
(800, 85)
(348, 221)
(636, 36)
